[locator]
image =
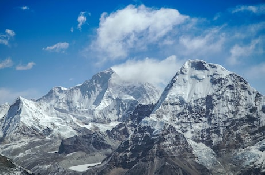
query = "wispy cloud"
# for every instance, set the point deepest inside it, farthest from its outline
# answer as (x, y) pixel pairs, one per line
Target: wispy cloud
(4, 38)
(157, 72)
(258, 9)
(255, 75)
(8, 95)
(25, 67)
(209, 42)
(24, 8)
(82, 19)
(59, 47)
(255, 72)
(241, 51)
(72, 29)
(10, 33)
(133, 28)
(6, 63)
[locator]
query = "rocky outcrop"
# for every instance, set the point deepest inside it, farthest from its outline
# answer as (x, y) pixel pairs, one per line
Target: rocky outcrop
(88, 143)
(207, 121)
(7, 167)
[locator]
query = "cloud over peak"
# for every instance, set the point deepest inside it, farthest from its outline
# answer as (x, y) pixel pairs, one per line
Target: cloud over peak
(59, 47)
(134, 28)
(157, 72)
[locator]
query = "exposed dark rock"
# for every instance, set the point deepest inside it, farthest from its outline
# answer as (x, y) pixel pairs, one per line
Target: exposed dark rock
(86, 143)
(215, 131)
(145, 153)
(119, 132)
(198, 65)
(140, 112)
(8, 167)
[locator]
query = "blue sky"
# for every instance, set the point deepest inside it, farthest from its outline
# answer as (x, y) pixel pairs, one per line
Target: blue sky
(64, 42)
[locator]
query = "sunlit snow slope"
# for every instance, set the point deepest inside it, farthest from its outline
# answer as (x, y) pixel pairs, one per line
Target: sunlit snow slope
(216, 110)
(99, 103)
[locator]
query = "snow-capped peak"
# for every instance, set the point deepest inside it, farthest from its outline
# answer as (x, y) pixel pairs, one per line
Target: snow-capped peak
(104, 99)
(199, 86)
(194, 80)
(201, 65)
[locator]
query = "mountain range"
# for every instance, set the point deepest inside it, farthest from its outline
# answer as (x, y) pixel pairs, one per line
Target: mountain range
(207, 120)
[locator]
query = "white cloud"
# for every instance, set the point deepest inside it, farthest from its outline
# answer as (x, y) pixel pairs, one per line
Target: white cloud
(24, 8)
(217, 16)
(10, 33)
(139, 31)
(6, 63)
(258, 9)
(25, 67)
(72, 29)
(255, 72)
(157, 72)
(81, 19)
(134, 28)
(209, 42)
(9, 95)
(59, 47)
(4, 38)
(238, 52)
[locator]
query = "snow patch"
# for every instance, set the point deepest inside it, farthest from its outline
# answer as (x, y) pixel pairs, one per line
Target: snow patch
(83, 168)
(102, 126)
(253, 155)
(205, 155)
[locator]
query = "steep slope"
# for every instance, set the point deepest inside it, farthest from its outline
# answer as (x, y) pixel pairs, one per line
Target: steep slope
(100, 103)
(27, 118)
(7, 167)
(207, 121)
(148, 153)
(38, 127)
(3, 109)
(102, 99)
(218, 113)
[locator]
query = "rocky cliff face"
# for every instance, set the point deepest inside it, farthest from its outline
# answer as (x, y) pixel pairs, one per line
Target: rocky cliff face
(207, 121)
(146, 153)
(217, 109)
(79, 115)
(99, 103)
(7, 167)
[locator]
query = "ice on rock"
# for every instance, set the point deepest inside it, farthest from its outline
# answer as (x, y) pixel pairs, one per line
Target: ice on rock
(252, 155)
(101, 102)
(205, 102)
(205, 155)
(218, 115)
